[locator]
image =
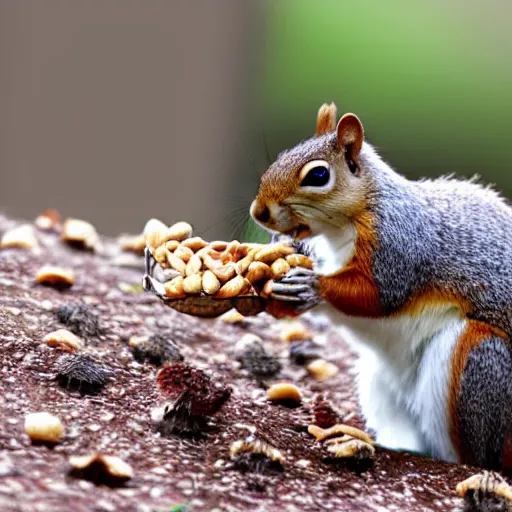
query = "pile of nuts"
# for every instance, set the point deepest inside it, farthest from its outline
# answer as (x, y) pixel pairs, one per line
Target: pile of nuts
(220, 270)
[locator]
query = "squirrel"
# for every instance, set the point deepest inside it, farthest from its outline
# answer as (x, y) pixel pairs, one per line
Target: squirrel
(419, 276)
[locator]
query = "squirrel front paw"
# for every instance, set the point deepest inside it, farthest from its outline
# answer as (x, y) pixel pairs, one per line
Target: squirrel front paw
(299, 286)
(485, 491)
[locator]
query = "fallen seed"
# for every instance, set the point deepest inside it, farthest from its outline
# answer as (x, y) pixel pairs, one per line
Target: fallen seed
(43, 426)
(232, 316)
(337, 430)
(55, 276)
(49, 219)
(132, 243)
(101, 468)
(80, 233)
(295, 331)
(321, 369)
(64, 340)
(284, 391)
(22, 237)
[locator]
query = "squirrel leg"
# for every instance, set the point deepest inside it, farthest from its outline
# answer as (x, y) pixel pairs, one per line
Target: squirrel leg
(485, 492)
(481, 413)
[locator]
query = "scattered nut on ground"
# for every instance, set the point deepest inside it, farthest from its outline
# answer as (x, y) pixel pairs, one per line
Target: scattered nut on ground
(22, 237)
(132, 243)
(48, 220)
(344, 441)
(295, 331)
(284, 391)
(64, 340)
(254, 455)
(43, 426)
(233, 317)
(321, 369)
(55, 276)
(101, 468)
(80, 233)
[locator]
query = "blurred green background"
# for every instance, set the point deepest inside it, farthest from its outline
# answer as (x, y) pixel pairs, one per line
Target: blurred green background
(431, 81)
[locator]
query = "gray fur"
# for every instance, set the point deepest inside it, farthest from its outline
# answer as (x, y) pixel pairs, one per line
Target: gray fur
(484, 406)
(456, 235)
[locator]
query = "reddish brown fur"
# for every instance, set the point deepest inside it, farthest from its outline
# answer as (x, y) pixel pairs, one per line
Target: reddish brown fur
(353, 290)
(326, 119)
(474, 334)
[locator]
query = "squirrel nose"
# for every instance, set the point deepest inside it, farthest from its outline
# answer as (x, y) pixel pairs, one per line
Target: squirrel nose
(260, 212)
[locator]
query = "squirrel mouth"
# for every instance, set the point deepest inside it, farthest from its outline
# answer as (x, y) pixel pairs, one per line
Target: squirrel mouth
(300, 232)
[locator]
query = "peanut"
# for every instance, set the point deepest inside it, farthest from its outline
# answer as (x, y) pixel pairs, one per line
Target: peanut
(226, 272)
(211, 284)
(279, 268)
(284, 391)
(22, 236)
(194, 265)
(154, 233)
(299, 260)
(55, 276)
(257, 272)
(184, 253)
(174, 288)
(172, 245)
(321, 369)
(176, 263)
(43, 426)
(272, 252)
(232, 288)
(195, 243)
(218, 245)
(160, 255)
(244, 263)
(192, 284)
(179, 231)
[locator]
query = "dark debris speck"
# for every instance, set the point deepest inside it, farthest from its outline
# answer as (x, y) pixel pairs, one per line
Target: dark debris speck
(81, 372)
(157, 350)
(79, 319)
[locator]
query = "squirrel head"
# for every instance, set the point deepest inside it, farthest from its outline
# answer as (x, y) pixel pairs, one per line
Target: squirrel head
(320, 181)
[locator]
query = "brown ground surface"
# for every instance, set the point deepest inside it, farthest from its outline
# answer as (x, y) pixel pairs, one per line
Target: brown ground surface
(172, 471)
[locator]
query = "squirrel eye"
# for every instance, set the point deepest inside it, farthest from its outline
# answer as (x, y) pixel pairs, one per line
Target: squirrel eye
(316, 177)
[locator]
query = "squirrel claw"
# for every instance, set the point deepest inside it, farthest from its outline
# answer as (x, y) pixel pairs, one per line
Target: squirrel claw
(486, 491)
(297, 286)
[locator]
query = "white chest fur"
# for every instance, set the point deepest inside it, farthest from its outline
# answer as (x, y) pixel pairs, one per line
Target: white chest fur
(403, 367)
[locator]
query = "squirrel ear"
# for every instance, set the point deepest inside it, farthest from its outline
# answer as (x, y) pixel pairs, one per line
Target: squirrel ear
(326, 119)
(350, 134)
